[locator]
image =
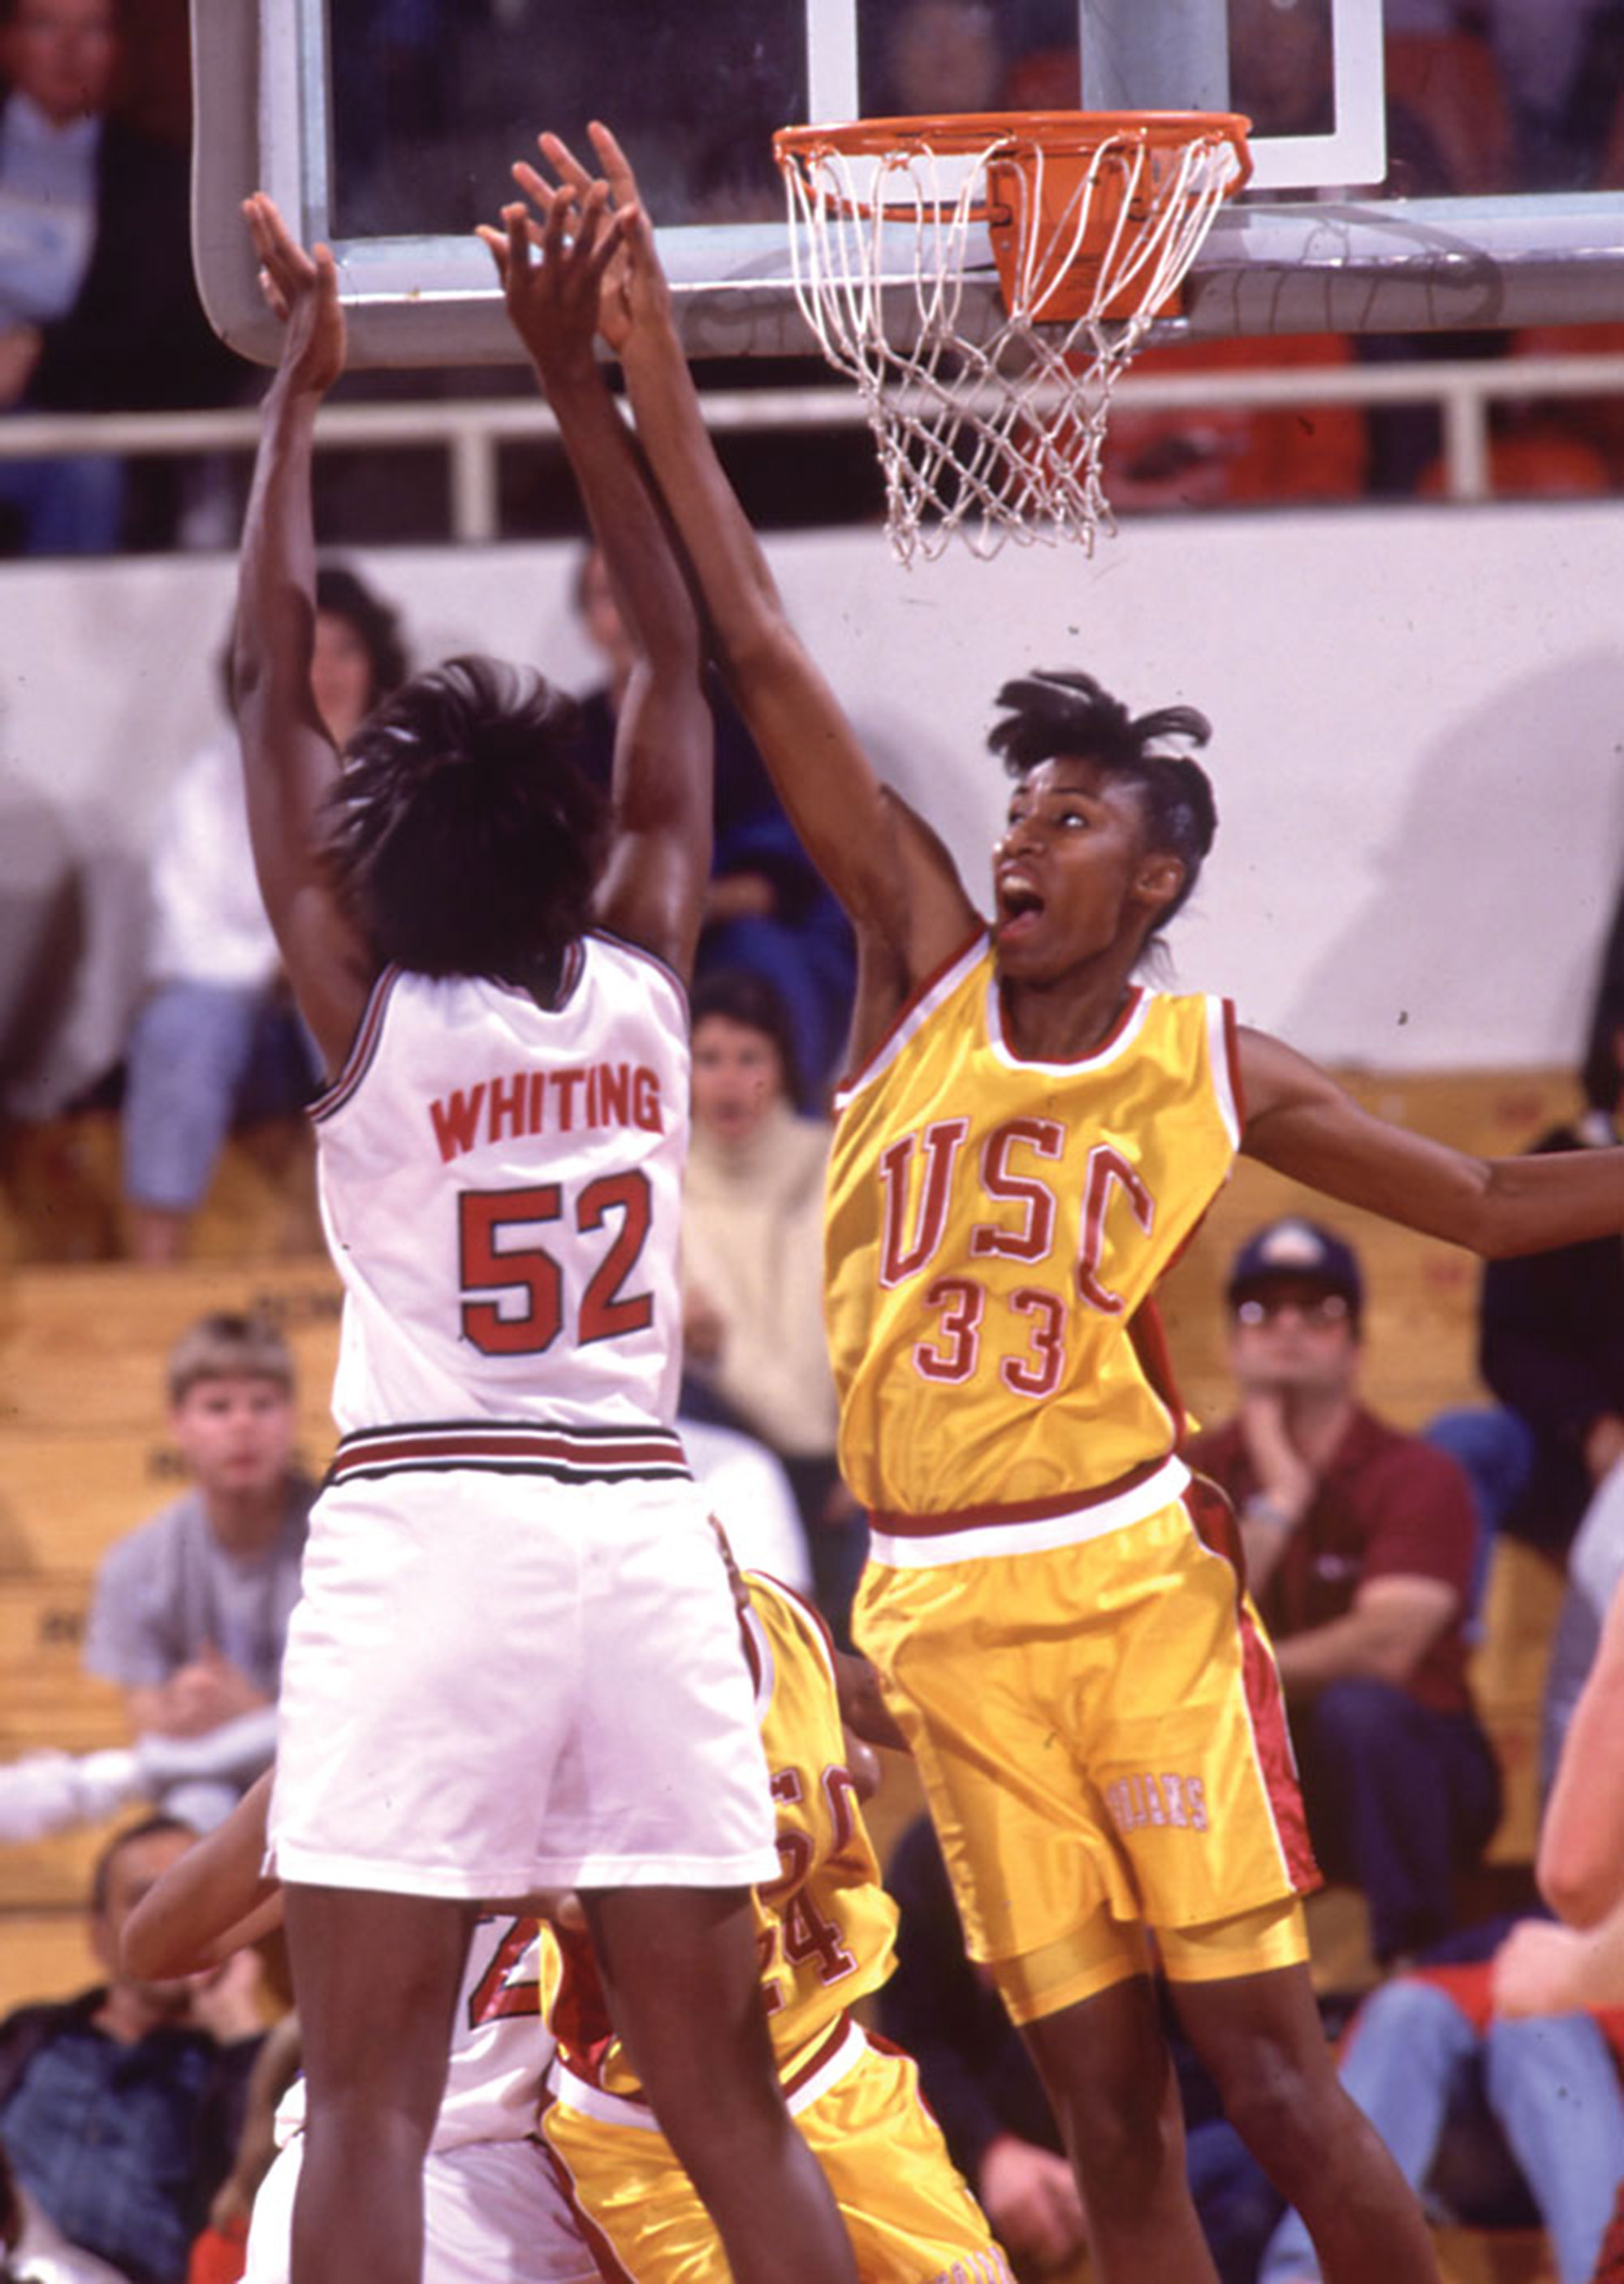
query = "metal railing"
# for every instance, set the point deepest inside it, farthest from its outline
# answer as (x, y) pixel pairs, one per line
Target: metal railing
(472, 431)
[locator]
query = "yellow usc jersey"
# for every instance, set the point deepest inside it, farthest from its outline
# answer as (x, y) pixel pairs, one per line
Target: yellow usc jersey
(825, 1928)
(992, 1225)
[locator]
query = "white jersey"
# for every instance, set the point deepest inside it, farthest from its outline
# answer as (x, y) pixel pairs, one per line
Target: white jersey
(501, 1189)
(501, 2048)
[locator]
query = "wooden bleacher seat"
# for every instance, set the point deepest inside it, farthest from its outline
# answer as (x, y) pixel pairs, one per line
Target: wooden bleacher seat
(83, 1346)
(61, 1199)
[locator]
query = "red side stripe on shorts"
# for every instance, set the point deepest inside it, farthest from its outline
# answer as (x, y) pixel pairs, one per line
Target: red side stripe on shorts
(1610, 2262)
(1214, 1520)
(592, 2236)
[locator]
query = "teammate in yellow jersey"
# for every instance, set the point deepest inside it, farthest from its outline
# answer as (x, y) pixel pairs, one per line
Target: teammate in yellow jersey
(1058, 1613)
(824, 1934)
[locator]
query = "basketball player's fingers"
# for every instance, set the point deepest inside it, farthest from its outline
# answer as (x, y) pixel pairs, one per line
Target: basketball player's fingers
(495, 243)
(563, 161)
(553, 240)
(274, 242)
(521, 238)
(537, 187)
(607, 246)
(257, 212)
(616, 166)
(589, 219)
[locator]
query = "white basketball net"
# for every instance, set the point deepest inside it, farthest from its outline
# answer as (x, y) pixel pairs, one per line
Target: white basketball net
(995, 433)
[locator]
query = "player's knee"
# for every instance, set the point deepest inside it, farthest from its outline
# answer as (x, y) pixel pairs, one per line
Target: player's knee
(1284, 2105)
(1123, 2148)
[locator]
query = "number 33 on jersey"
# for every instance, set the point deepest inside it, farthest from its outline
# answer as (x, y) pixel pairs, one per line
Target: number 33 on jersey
(993, 1226)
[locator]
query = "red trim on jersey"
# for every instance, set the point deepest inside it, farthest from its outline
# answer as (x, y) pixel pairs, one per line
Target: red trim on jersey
(1232, 1050)
(975, 943)
(678, 983)
(1136, 998)
(362, 1047)
(974, 1518)
(1148, 1336)
(513, 1446)
(1212, 1520)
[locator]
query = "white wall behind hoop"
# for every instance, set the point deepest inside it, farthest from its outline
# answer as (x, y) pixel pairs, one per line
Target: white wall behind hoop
(1419, 745)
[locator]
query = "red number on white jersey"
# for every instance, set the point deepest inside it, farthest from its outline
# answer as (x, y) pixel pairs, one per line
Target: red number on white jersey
(501, 1990)
(487, 1265)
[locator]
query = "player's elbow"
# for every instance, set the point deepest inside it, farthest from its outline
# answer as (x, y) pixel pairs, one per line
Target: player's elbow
(1580, 1888)
(760, 650)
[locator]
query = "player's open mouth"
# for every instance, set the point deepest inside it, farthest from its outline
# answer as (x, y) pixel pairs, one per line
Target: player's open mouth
(1020, 908)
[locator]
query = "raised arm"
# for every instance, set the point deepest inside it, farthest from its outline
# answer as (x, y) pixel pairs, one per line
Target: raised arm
(824, 777)
(288, 759)
(654, 887)
(1303, 1124)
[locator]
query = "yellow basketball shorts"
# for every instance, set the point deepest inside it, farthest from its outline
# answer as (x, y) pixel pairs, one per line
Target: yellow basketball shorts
(907, 2210)
(1098, 1725)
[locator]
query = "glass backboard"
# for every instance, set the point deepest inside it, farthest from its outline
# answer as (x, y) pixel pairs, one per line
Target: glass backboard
(387, 126)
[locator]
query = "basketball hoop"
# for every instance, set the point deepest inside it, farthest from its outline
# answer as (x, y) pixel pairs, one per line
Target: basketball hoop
(987, 425)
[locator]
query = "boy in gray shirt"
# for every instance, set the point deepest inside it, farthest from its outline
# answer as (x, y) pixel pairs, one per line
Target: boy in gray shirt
(190, 1611)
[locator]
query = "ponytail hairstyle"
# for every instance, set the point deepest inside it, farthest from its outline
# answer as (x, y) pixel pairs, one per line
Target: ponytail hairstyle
(1051, 714)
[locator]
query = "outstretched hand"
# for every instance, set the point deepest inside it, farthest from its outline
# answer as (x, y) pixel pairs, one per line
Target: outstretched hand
(552, 271)
(631, 286)
(301, 288)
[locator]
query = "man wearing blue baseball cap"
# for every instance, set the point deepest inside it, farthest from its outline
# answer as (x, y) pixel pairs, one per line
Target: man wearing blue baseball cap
(1360, 1546)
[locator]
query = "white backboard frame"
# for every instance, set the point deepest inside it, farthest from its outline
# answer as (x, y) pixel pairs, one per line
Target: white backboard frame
(1291, 263)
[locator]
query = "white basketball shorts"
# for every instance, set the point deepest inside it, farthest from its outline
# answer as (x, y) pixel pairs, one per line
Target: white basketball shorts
(495, 1682)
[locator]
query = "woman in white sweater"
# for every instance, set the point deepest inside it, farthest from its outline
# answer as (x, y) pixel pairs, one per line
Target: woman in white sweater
(752, 1242)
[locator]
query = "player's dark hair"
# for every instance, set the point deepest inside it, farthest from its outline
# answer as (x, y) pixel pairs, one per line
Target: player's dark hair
(1050, 714)
(755, 1002)
(462, 836)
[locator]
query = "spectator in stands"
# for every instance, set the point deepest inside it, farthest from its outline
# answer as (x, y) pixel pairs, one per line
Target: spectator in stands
(33, 2250)
(1552, 1330)
(1360, 1546)
(120, 2108)
(1495, 2121)
(1580, 1869)
(98, 308)
(752, 1253)
(217, 1039)
(768, 911)
(190, 1612)
(1493, 2073)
